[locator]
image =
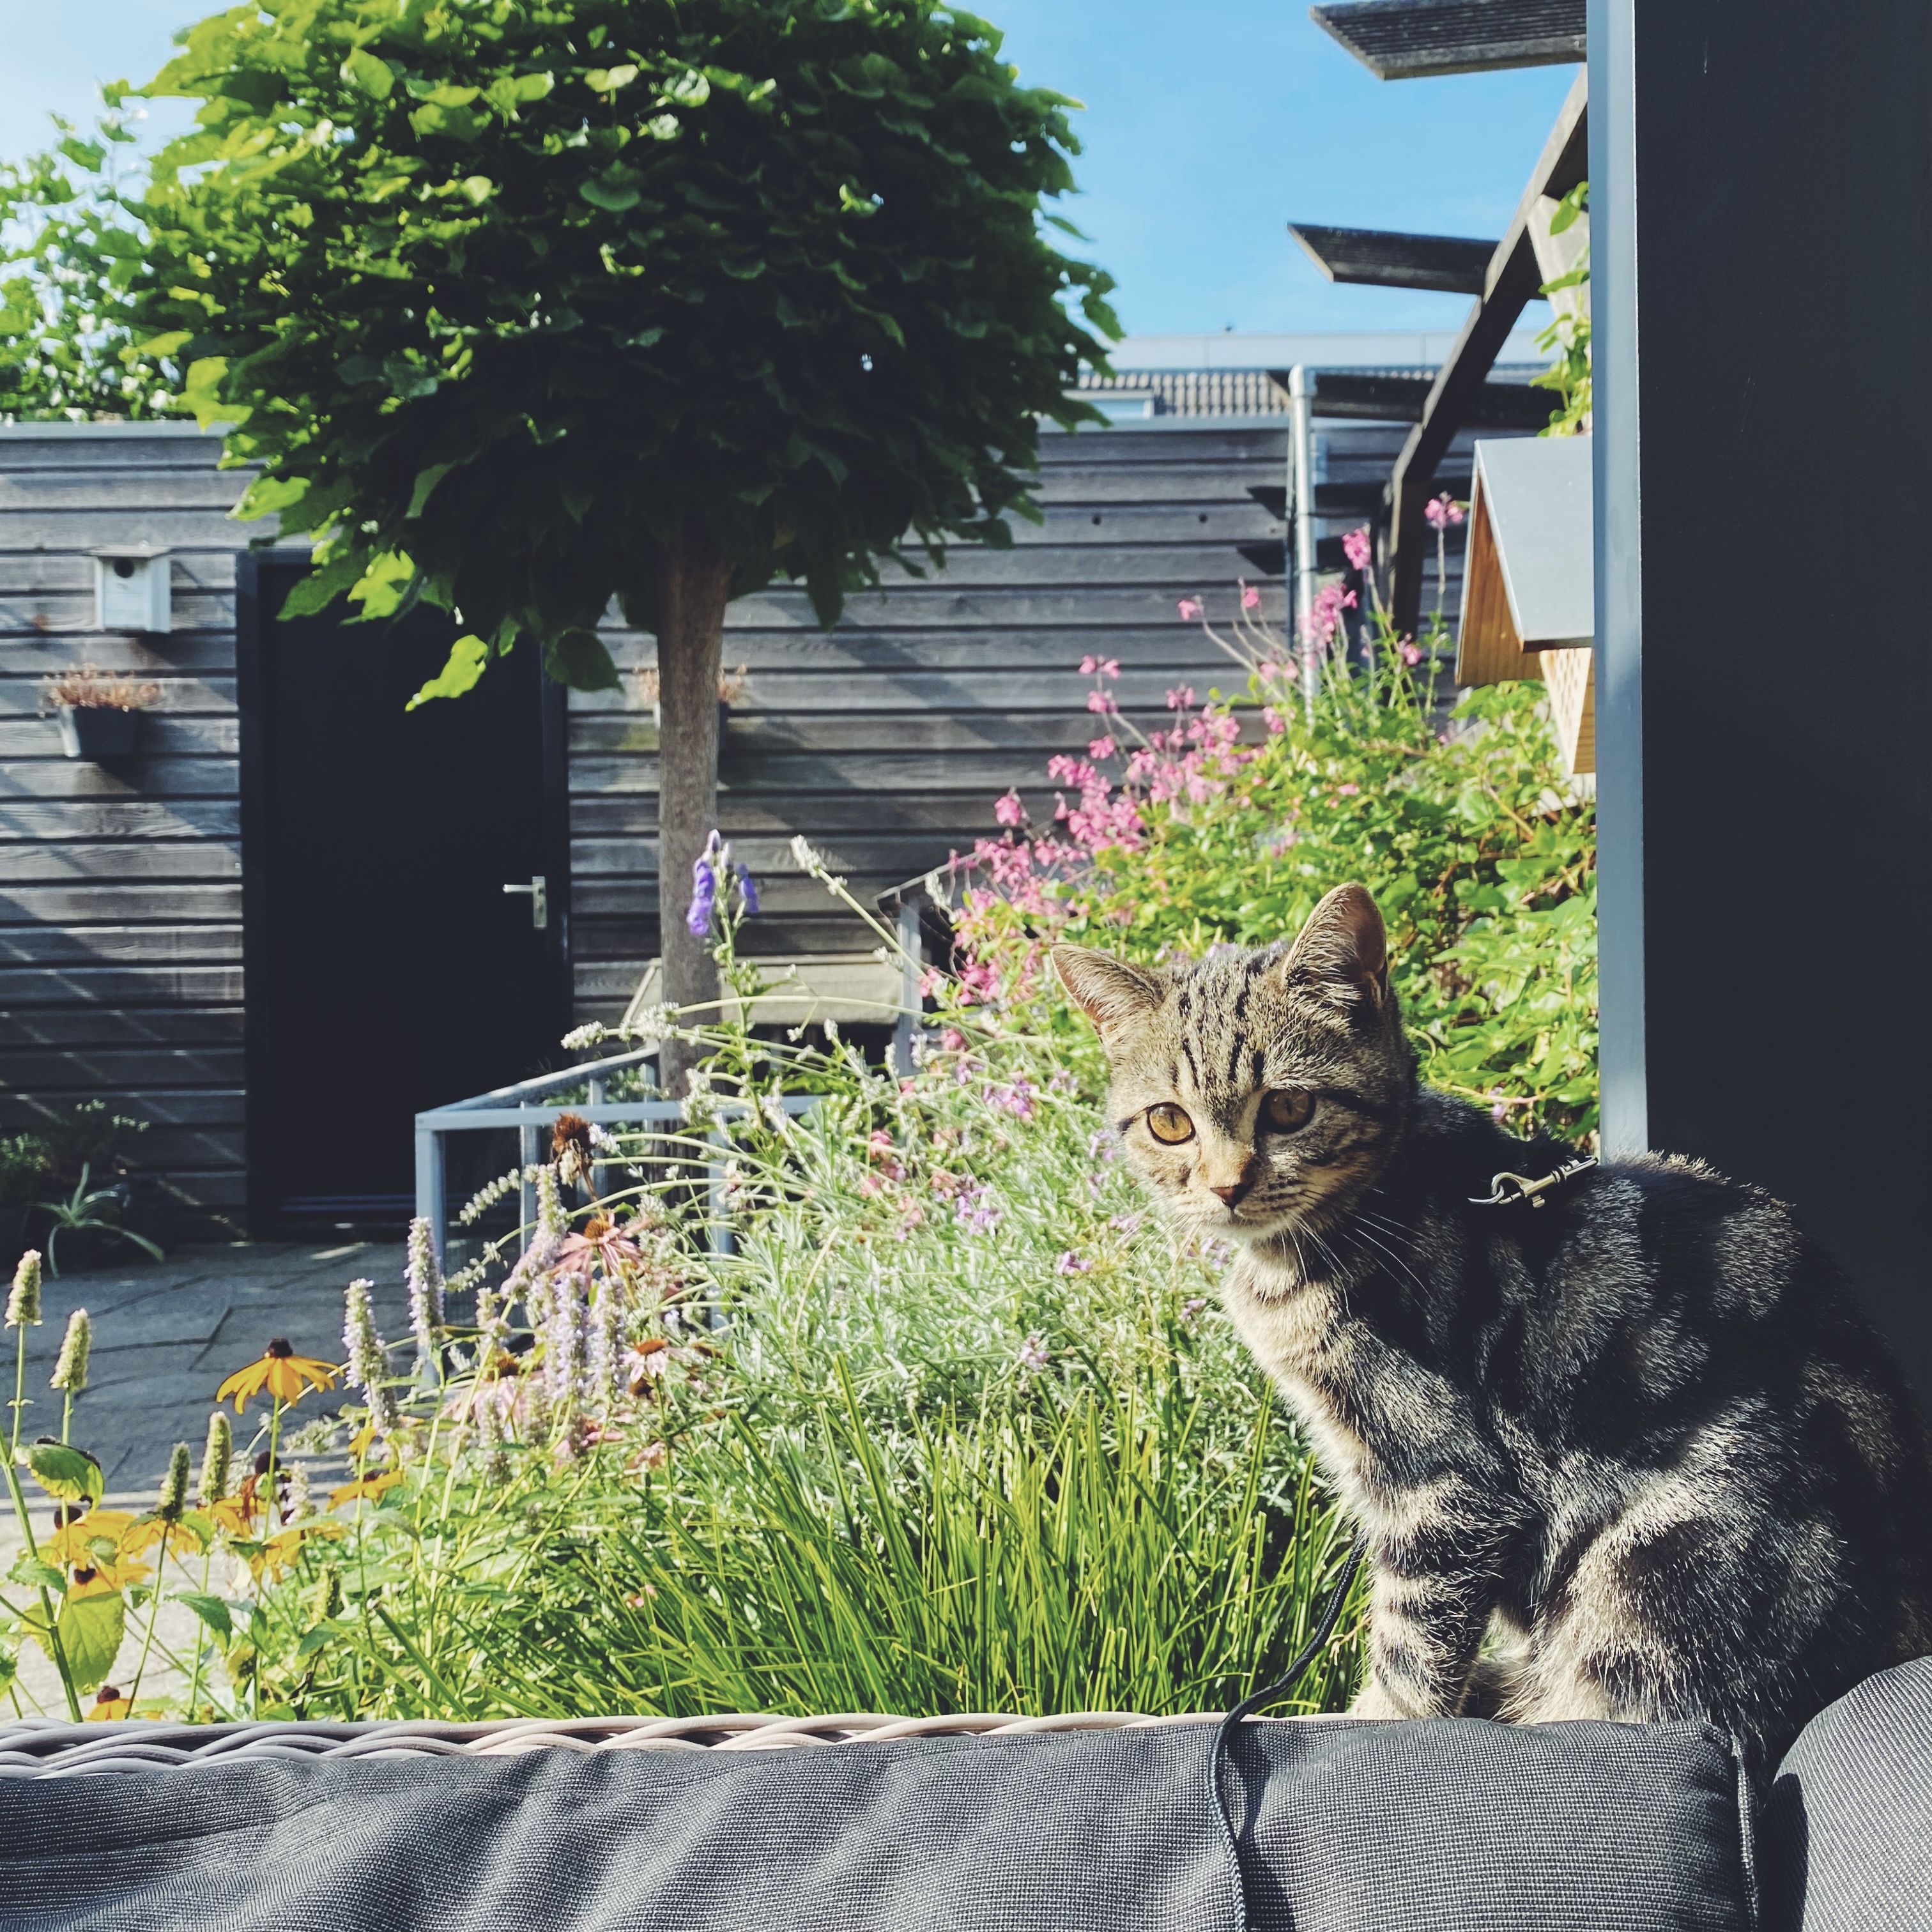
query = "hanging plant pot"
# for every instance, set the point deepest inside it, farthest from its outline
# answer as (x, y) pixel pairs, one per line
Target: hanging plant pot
(97, 730)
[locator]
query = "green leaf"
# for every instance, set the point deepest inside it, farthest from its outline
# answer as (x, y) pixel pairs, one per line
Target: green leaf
(212, 1610)
(614, 192)
(608, 80)
(268, 494)
(372, 76)
(35, 1574)
(577, 658)
(468, 658)
(201, 394)
(71, 1474)
(90, 1629)
(426, 481)
(10, 1667)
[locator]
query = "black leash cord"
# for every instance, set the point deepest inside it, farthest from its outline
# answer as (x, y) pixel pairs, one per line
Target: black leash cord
(1331, 1614)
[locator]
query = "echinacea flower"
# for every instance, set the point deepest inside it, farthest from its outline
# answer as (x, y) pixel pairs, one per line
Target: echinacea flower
(600, 1244)
(570, 1148)
(286, 1376)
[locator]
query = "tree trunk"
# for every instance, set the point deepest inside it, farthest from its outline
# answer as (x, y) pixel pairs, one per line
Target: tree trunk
(693, 581)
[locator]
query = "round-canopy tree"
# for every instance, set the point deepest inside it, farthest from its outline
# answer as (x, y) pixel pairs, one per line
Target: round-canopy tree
(522, 304)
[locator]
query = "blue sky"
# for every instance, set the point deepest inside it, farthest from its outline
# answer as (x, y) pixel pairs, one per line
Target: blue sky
(1208, 126)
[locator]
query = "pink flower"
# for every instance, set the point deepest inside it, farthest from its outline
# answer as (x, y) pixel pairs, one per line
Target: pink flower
(1093, 667)
(1251, 597)
(1192, 609)
(1357, 548)
(1442, 512)
(930, 981)
(1348, 790)
(1275, 721)
(1102, 748)
(953, 1040)
(1182, 699)
(1008, 810)
(1411, 654)
(1101, 702)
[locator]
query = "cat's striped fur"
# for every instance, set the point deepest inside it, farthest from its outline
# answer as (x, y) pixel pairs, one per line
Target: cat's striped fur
(1633, 1453)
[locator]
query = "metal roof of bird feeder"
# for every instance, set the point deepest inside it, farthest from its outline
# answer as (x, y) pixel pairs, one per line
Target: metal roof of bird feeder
(1405, 40)
(1451, 264)
(1529, 580)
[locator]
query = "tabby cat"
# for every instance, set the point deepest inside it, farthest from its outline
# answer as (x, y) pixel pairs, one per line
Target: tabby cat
(1623, 1449)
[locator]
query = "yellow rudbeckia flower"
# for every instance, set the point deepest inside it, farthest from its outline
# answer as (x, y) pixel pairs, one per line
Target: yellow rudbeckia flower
(369, 1487)
(283, 1372)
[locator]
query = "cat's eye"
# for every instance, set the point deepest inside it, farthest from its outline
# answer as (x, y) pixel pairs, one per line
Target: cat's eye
(1288, 1109)
(1169, 1123)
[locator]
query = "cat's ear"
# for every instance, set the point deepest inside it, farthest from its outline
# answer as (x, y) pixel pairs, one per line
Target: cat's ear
(1343, 949)
(1112, 993)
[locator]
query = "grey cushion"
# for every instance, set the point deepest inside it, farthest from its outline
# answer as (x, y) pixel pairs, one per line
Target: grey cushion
(1847, 1829)
(1461, 1823)
(1574, 1827)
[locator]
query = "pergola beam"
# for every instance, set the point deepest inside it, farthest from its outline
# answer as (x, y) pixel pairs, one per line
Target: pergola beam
(1450, 264)
(1351, 395)
(1406, 39)
(1512, 282)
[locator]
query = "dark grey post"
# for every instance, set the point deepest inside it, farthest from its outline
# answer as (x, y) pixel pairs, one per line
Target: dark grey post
(1761, 219)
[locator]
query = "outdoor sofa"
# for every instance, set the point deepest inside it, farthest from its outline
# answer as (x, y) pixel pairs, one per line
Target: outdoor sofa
(1103, 1824)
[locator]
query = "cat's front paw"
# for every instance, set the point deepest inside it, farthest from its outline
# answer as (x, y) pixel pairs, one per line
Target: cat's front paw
(1376, 1700)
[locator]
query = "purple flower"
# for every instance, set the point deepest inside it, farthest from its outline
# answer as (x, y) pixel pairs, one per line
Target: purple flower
(1033, 1356)
(748, 892)
(1071, 1263)
(703, 899)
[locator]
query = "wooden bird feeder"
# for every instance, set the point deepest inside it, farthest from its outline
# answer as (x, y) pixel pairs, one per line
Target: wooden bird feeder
(1529, 583)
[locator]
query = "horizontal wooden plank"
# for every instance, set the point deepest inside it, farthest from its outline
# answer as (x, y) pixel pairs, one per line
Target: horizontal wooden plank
(34, 651)
(47, 1070)
(205, 571)
(166, 1145)
(182, 695)
(596, 903)
(1240, 520)
(149, 861)
(130, 818)
(1025, 566)
(772, 698)
(121, 902)
(132, 986)
(42, 527)
(1167, 645)
(120, 489)
(1129, 449)
(102, 1028)
(161, 945)
(817, 814)
(754, 738)
(135, 777)
(167, 450)
(947, 608)
(899, 854)
(876, 771)
(162, 1108)
(159, 734)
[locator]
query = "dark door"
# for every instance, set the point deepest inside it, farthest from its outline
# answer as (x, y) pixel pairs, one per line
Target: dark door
(387, 969)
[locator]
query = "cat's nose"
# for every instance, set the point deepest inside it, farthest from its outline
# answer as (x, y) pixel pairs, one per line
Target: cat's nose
(1231, 1193)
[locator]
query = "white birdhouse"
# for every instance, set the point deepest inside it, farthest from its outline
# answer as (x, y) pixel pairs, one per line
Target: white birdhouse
(131, 589)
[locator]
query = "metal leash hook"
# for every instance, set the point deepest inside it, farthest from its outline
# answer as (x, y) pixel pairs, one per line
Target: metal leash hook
(1526, 1189)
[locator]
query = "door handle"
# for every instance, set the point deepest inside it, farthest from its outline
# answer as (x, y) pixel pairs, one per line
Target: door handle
(538, 889)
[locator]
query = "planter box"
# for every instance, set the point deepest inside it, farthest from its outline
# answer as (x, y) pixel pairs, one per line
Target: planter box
(97, 730)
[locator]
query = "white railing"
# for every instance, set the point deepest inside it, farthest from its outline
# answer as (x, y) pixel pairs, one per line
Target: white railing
(523, 1107)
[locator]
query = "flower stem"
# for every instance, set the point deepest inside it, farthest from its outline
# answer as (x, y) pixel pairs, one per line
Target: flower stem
(26, 1523)
(154, 1616)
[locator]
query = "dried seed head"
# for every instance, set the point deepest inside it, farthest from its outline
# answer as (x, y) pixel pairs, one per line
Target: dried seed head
(76, 1345)
(173, 1504)
(23, 1305)
(217, 1456)
(570, 1147)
